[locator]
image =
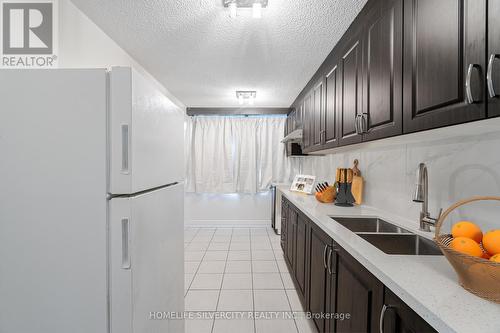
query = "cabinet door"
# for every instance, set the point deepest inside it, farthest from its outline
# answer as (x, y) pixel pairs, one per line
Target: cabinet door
(493, 70)
(382, 74)
(332, 263)
(332, 95)
(317, 275)
(358, 293)
(400, 318)
(317, 113)
(300, 254)
(290, 236)
(351, 91)
(444, 51)
(307, 122)
(284, 224)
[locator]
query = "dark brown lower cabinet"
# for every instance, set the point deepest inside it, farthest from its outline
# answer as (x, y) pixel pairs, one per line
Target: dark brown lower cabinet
(359, 294)
(318, 277)
(301, 254)
(284, 213)
(330, 282)
(397, 317)
(290, 236)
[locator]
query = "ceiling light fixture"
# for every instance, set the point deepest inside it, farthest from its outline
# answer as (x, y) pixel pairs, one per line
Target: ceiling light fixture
(247, 96)
(255, 5)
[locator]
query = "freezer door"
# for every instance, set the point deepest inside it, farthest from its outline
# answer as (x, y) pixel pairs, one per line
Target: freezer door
(147, 255)
(146, 135)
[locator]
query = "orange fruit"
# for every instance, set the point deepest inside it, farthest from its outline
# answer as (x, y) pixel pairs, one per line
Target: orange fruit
(495, 258)
(467, 229)
(491, 242)
(486, 256)
(467, 246)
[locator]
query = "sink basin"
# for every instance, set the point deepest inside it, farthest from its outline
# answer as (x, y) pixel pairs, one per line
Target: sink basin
(369, 224)
(403, 244)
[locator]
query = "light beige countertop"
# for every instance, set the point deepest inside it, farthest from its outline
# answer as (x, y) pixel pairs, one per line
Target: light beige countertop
(428, 284)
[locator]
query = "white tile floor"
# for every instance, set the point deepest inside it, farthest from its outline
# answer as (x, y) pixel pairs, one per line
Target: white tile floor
(239, 269)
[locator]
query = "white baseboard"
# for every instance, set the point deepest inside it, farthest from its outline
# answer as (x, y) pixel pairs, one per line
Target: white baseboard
(226, 223)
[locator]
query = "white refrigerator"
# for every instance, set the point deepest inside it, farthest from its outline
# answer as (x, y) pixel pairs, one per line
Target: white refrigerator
(91, 203)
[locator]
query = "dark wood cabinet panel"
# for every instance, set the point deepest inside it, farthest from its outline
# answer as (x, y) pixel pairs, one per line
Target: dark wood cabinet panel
(358, 293)
(443, 41)
(284, 214)
(319, 244)
(382, 70)
(301, 255)
(332, 96)
(307, 121)
(351, 91)
(290, 236)
(317, 110)
(493, 69)
(400, 318)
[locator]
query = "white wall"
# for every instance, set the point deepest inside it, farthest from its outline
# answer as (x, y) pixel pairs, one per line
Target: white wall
(82, 44)
(223, 209)
(459, 167)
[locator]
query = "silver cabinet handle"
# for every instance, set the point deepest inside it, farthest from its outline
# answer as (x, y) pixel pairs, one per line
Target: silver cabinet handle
(125, 148)
(489, 75)
(382, 317)
(468, 88)
(356, 124)
(125, 243)
(329, 262)
(324, 256)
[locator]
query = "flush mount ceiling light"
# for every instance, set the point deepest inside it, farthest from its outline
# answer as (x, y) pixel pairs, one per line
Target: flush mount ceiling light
(255, 5)
(247, 96)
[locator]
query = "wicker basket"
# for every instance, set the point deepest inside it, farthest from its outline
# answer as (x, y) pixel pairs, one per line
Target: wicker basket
(477, 275)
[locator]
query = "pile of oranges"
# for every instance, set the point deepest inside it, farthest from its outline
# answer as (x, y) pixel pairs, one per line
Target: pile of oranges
(469, 239)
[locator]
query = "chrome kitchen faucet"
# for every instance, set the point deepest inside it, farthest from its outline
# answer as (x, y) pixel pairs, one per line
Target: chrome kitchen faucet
(422, 195)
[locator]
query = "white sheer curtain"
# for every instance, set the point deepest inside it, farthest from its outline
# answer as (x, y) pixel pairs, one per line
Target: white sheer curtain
(233, 154)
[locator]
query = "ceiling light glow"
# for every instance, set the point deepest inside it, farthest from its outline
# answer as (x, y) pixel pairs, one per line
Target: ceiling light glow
(246, 96)
(234, 7)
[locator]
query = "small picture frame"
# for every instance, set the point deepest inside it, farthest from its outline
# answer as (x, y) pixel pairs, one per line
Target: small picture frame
(303, 184)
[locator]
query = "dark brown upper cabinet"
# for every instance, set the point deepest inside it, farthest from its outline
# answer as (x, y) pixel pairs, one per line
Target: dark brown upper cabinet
(307, 122)
(350, 99)
(317, 114)
(444, 63)
(382, 71)
(332, 93)
(493, 67)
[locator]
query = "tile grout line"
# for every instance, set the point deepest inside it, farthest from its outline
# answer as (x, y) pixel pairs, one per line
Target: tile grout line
(284, 289)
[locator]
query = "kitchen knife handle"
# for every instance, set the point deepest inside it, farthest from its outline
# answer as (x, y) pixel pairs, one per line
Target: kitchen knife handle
(125, 148)
(125, 243)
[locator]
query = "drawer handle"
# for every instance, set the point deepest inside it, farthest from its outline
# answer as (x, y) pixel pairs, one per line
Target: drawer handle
(489, 75)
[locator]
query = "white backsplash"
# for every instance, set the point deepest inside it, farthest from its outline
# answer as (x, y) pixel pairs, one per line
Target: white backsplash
(458, 168)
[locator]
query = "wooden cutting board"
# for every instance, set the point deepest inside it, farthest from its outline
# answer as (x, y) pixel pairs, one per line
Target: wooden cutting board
(357, 184)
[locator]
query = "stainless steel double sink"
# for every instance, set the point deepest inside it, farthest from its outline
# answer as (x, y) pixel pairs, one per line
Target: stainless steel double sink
(388, 237)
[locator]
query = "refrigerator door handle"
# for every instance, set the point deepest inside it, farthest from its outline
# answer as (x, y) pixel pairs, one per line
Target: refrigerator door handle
(125, 148)
(125, 243)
